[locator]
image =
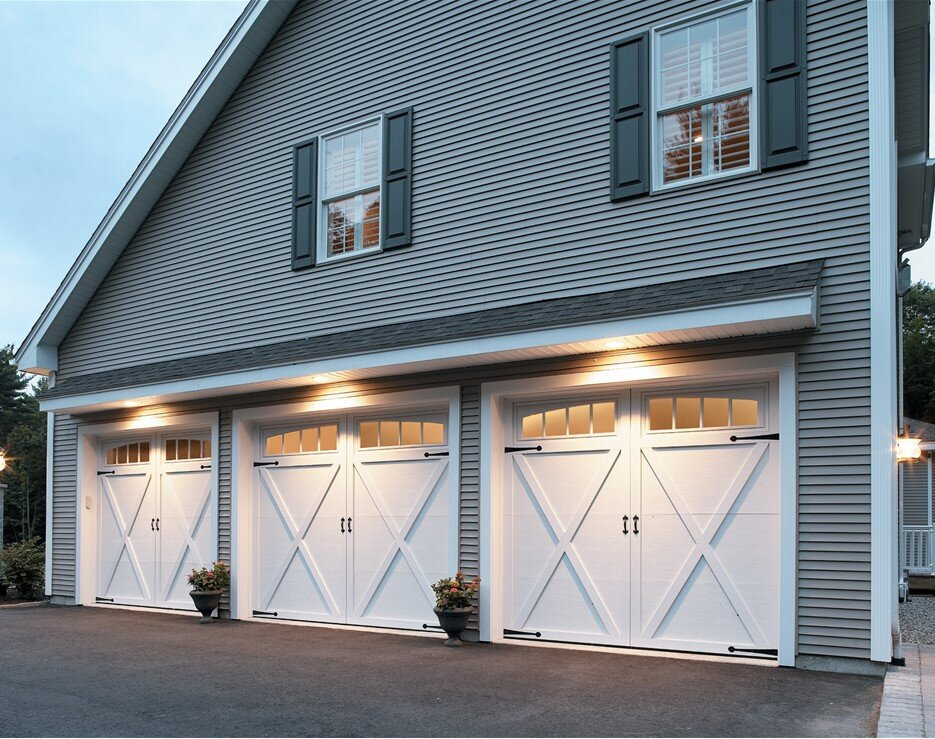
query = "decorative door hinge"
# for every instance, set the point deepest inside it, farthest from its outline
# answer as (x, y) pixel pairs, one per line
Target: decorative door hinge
(511, 449)
(266, 464)
(761, 437)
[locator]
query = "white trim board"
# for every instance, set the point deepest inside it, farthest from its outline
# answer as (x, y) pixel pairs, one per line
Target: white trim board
(775, 314)
(493, 395)
(89, 436)
(243, 423)
(884, 619)
(194, 115)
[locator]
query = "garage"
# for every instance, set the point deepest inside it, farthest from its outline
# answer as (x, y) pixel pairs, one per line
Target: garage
(354, 516)
(646, 517)
(155, 517)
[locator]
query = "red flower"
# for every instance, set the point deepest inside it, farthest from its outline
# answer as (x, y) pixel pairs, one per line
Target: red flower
(453, 590)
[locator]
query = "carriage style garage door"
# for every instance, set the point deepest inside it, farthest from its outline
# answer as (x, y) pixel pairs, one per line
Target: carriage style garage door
(648, 520)
(354, 519)
(156, 518)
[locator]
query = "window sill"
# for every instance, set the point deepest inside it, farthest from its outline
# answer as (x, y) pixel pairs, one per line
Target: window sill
(346, 258)
(705, 181)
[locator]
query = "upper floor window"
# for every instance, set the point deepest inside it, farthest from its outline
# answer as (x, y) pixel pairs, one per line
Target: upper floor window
(704, 98)
(350, 177)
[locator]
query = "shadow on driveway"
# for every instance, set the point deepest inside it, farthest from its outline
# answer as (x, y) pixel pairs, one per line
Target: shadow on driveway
(93, 671)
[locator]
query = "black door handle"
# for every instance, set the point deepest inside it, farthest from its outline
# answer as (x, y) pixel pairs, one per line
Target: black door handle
(636, 525)
(157, 524)
(342, 524)
(349, 530)
(625, 519)
(152, 524)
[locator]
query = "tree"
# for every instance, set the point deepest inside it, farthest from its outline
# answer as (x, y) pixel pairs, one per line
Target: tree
(23, 440)
(14, 396)
(919, 352)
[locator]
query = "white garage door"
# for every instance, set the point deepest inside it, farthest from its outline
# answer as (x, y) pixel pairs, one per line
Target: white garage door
(355, 519)
(156, 518)
(649, 522)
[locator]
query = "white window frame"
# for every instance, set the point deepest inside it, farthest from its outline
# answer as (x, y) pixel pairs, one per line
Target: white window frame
(321, 241)
(659, 110)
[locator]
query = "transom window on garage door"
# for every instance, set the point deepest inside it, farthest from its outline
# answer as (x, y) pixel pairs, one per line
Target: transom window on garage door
(301, 440)
(136, 452)
(396, 432)
(179, 450)
(572, 419)
(714, 410)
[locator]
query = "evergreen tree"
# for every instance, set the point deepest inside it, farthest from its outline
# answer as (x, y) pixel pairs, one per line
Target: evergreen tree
(919, 352)
(14, 396)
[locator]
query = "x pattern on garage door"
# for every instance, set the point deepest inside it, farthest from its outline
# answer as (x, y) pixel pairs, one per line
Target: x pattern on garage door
(156, 518)
(354, 519)
(655, 529)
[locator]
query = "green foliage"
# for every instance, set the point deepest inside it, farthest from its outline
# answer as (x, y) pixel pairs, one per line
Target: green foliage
(22, 565)
(22, 437)
(217, 578)
(454, 593)
(919, 352)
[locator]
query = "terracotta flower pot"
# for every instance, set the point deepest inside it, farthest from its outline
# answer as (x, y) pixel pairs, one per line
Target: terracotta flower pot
(454, 621)
(206, 601)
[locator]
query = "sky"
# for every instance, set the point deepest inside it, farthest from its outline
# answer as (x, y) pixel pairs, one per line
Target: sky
(86, 87)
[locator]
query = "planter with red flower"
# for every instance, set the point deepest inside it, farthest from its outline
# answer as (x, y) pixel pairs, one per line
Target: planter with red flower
(453, 605)
(207, 587)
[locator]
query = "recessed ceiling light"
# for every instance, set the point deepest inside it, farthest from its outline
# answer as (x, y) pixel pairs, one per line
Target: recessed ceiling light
(320, 378)
(698, 139)
(614, 345)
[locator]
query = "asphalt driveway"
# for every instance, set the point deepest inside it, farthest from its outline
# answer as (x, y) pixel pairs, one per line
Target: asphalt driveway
(101, 672)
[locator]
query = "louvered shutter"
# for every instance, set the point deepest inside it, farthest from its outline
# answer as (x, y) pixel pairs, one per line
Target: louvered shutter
(783, 105)
(629, 117)
(304, 205)
(396, 210)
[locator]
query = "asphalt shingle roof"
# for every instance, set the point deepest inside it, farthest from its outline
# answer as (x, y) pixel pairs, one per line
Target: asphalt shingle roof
(615, 304)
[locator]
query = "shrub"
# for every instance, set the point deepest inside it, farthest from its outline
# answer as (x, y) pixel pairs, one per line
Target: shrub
(217, 578)
(455, 593)
(22, 565)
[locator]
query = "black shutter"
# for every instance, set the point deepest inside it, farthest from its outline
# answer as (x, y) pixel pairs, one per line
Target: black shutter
(783, 108)
(304, 205)
(396, 209)
(629, 117)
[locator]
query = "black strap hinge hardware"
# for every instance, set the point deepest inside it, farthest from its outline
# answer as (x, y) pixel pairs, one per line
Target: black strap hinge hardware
(437, 454)
(761, 437)
(771, 652)
(106, 472)
(206, 466)
(510, 449)
(266, 464)
(432, 626)
(514, 632)
(99, 599)
(275, 614)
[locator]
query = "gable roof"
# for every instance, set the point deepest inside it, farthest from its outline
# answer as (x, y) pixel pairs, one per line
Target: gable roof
(920, 429)
(224, 72)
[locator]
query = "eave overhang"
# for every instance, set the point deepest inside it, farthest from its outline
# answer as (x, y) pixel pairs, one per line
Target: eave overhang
(744, 307)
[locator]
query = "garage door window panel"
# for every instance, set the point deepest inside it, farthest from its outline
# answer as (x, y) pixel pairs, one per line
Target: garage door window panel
(302, 440)
(705, 411)
(566, 420)
(401, 432)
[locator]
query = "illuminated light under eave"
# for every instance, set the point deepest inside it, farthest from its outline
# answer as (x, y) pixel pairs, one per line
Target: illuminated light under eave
(611, 345)
(908, 449)
(320, 378)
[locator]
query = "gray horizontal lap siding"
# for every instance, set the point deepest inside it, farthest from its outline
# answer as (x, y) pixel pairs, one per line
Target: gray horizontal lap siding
(915, 480)
(510, 204)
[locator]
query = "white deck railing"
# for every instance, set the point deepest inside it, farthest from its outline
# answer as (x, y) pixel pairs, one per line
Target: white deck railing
(917, 549)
